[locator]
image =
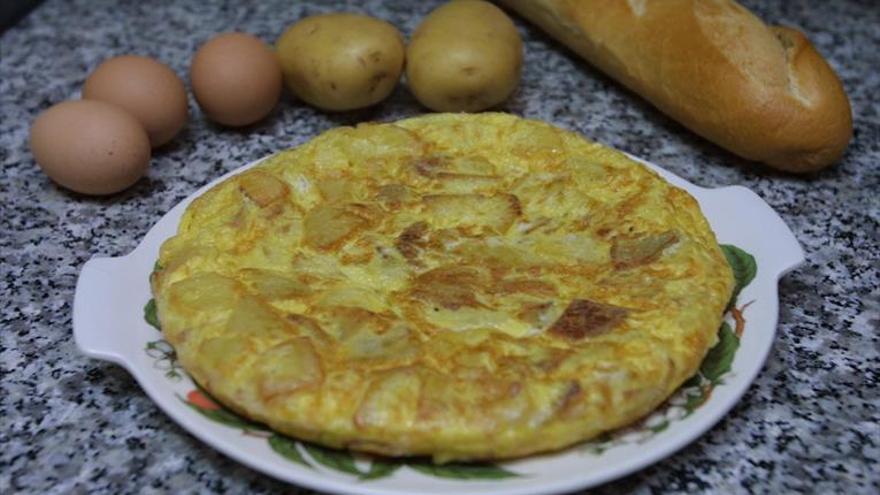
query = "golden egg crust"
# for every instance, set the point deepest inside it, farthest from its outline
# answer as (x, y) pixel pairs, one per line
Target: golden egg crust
(460, 286)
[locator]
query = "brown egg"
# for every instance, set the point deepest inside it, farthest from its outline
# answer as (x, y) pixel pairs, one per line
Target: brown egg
(236, 79)
(147, 89)
(90, 147)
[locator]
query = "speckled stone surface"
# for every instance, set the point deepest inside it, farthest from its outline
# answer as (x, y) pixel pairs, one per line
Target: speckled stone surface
(73, 425)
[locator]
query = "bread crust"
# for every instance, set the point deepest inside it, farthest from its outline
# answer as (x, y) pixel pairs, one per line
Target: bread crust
(762, 92)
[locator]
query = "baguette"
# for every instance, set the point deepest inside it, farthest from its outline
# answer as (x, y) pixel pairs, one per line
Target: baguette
(763, 92)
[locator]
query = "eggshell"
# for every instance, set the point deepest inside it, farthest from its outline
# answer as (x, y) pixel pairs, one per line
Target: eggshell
(147, 89)
(236, 78)
(90, 147)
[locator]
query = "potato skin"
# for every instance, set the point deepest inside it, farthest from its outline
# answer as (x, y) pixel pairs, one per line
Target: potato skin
(466, 56)
(341, 62)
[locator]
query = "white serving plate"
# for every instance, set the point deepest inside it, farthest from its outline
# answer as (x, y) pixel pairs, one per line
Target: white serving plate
(109, 324)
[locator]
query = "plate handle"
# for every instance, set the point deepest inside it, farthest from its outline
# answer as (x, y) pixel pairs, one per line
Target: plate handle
(98, 326)
(757, 219)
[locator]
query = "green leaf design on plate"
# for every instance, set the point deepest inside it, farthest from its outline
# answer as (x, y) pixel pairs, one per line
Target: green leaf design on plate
(720, 357)
(338, 460)
(463, 471)
(287, 448)
(693, 381)
(164, 358)
(380, 468)
(695, 400)
(150, 314)
(156, 267)
(225, 417)
(744, 269)
(658, 428)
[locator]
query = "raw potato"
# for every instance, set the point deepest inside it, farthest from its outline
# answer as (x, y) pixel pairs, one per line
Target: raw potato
(464, 57)
(341, 61)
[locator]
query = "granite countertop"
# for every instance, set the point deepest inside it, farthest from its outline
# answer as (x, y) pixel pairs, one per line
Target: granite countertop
(74, 425)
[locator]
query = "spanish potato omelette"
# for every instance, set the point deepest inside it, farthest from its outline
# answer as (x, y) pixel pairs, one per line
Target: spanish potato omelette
(462, 286)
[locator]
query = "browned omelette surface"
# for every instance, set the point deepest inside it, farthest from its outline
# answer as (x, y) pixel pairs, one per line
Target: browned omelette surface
(460, 286)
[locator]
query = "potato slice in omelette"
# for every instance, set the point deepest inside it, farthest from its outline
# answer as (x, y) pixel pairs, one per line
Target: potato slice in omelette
(456, 286)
